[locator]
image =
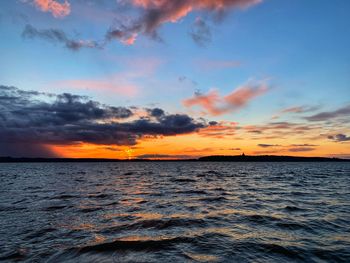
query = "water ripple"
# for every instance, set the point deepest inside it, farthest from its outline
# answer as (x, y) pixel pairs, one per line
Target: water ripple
(175, 212)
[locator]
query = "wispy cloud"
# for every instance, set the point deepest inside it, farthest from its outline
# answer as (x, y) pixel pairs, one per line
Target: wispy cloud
(301, 149)
(304, 145)
(117, 85)
(159, 12)
(200, 32)
(123, 83)
(330, 115)
(282, 130)
(58, 36)
(219, 130)
(300, 109)
(264, 145)
(152, 14)
(214, 104)
(295, 110)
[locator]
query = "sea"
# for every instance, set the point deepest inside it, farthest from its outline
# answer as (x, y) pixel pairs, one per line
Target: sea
(175, 212)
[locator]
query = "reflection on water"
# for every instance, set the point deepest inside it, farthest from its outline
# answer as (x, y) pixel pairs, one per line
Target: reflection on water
(175, 212)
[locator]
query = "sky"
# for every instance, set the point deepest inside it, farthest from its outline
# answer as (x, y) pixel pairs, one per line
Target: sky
(174, 79)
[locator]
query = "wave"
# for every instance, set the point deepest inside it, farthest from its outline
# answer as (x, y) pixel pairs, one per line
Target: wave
(213, 199)
(190, 192)
(183, 180)
(158, 224)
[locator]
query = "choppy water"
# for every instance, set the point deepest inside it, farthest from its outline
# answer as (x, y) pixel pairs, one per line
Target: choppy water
(175, 212)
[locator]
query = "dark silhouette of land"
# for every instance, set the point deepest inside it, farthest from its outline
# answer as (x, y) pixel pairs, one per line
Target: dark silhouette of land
(267, 158)
(213, 158)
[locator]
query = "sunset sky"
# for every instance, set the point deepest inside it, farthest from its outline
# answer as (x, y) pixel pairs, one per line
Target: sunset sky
(174, 78)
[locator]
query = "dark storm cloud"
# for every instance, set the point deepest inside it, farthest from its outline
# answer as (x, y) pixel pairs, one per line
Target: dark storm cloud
(41, 118)
(213, 123)
(200, 32)
(156, 112)
(25, 150)
(166, 125)
(65, 109)
(58, 36)
(339, 138)
(329, 115)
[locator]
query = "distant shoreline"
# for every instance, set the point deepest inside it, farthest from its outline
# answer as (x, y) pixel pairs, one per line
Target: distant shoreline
(214, 158)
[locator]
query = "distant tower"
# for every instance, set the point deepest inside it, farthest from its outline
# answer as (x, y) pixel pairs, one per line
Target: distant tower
(243, 154)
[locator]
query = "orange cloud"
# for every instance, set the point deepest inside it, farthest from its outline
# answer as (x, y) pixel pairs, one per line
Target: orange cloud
(219, 130)
(214, 104)
(57, 9)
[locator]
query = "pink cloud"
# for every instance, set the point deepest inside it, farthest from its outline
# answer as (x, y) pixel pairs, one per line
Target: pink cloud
(57, 9)
(130, 40)
(214, 104)
(220, 130)
(124, 89)
(123, 83)
(172, 10)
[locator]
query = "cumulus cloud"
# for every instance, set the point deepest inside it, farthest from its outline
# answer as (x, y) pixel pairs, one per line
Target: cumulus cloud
(214, 104)
(30, 117)
(339, 137)
(330, 115)
(58, 36)
(56, 8)
(156, 112)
